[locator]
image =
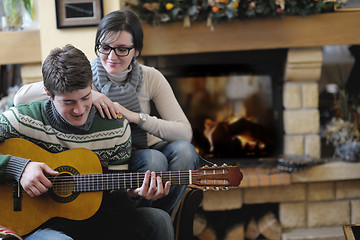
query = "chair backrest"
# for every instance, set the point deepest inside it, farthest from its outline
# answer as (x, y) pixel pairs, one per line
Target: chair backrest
(183, 220)
(352, 231)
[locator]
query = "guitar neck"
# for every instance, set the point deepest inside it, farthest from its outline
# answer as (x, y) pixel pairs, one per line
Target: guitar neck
(114, 181)
(204, 177)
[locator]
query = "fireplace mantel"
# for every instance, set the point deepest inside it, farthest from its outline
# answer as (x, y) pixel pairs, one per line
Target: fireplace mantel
(336, 28)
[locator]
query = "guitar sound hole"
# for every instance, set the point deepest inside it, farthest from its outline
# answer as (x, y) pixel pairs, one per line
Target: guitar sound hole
(64, 184)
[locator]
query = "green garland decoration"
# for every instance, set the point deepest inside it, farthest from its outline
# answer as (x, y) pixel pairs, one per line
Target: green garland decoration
(213, 11)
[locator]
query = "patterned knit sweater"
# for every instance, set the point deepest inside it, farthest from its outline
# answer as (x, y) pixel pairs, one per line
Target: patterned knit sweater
(110, 139)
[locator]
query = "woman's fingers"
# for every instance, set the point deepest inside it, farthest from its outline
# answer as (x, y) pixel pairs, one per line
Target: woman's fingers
(104, 105)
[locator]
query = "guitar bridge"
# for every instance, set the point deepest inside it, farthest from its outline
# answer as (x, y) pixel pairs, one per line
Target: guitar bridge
(17, 195)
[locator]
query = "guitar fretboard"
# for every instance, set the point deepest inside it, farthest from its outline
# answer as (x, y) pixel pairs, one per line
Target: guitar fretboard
(114, 181)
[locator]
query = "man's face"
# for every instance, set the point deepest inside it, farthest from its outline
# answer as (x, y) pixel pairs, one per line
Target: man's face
(75, 106)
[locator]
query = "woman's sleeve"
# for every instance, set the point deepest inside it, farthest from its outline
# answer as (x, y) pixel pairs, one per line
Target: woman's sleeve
(30, 93)
(173, 124)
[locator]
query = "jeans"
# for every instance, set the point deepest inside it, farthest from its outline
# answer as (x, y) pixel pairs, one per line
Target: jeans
(166, 156)
(46, 234)
(140, 224)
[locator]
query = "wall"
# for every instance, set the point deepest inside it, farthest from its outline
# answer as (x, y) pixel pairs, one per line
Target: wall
(82, 38)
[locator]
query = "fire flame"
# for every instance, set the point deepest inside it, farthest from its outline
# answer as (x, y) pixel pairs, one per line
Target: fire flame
(247, 140)
(251, 142)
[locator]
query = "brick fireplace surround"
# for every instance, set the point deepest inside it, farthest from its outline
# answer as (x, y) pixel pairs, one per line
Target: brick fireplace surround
(313, 203)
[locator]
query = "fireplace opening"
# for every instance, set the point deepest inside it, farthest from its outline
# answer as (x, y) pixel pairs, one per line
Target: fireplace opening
(233, 101)
(231, 115)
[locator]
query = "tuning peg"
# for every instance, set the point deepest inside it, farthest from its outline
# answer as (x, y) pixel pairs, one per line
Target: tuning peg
(205, 189)
(205, 166)
(225, 188)
(215, 165)
(224, 165)
(216, 188)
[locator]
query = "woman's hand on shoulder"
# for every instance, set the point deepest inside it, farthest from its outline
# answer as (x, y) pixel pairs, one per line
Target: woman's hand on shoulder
(131, 116)
(104, 105)
(111, 109)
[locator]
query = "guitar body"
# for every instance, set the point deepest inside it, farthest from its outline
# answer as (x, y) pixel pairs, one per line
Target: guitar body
(37, 210)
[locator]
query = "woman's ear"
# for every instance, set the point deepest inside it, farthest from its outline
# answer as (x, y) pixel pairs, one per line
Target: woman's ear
(137, 53)
(48, 94)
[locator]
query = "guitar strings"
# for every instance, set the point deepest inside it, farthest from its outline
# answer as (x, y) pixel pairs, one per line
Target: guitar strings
(130, 176)
(96, 182)
(181, 173)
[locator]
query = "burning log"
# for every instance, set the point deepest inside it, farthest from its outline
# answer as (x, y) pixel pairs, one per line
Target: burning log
(249, 128)
(239, 138)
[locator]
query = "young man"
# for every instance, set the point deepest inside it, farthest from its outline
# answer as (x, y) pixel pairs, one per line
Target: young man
(66, 121)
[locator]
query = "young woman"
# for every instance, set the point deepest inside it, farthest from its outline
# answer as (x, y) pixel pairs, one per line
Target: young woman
(161, 144)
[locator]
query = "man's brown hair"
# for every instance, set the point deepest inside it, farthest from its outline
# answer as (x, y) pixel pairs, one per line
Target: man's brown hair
(65, 70)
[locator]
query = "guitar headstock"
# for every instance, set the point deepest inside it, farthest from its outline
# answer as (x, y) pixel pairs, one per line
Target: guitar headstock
(217, 177)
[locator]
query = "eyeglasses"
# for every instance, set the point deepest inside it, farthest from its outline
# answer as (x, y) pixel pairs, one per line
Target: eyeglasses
(119, 51)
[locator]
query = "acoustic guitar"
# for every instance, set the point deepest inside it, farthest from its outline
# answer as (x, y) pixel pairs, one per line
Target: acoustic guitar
(77, 190)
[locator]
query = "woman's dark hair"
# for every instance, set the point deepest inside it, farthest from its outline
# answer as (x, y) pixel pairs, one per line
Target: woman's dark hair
(117, 21)
(65, 70)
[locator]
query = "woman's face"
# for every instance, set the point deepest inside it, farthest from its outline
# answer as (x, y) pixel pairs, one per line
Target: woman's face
(122, 41)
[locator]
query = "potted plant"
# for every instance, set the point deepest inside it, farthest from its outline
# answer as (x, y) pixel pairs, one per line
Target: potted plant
(13, 10)
(343, 129)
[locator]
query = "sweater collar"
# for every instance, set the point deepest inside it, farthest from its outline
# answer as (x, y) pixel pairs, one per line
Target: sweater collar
(119, 78)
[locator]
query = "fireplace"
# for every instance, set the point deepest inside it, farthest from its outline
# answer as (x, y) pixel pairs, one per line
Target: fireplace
(299, 200)
(313, 203)
(233, 101)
